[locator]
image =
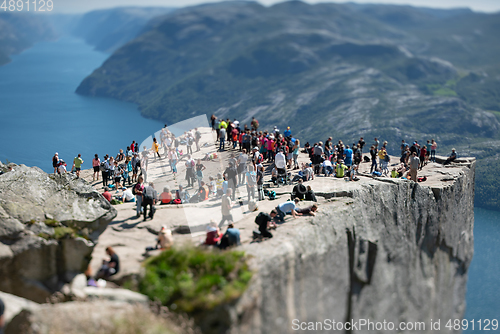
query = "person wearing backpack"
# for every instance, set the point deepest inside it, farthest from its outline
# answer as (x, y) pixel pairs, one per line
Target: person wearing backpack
(251, 177)
(149, 197)
(264, 221)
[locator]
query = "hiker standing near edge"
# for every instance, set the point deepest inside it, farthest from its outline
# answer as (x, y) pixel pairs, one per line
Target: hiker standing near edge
(414, 162)
(77, 164)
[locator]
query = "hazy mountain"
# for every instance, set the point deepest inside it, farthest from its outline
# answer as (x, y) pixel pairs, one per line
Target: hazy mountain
(109, 29)
(328, 69)
(19, 31)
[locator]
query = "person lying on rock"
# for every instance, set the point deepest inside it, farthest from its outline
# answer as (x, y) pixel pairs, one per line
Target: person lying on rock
(310, 210)
(287, 208)
(111, 267)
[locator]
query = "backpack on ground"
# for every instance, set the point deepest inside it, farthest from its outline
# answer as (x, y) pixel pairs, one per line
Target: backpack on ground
(272, 195)
(366, 159)
(252, 205)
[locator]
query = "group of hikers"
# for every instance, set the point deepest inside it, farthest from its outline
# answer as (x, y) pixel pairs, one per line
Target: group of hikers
(253, 153)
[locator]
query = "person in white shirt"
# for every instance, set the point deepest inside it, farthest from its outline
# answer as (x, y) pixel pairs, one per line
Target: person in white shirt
(62, 167)
(127, 195)
(327, 167)
(280, 162)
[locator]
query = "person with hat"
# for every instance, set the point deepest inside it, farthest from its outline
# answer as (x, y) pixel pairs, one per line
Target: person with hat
(165, 238)
(340, 169)
(287, 133)
(127, 195)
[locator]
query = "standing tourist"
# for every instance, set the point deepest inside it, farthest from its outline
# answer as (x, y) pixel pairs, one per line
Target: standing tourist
(96, 163)
(77, 164)
(55, 162)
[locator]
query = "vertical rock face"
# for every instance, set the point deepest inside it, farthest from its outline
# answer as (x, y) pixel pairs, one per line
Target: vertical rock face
(388, 250)
(48, 226)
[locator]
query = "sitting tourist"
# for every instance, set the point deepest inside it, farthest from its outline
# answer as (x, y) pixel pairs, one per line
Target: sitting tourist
(327, 167)
(109, 267)
(310, 195)
(166, 196)
(451, 158)
(165, 239)
(213, 234)
(340, 169)
(107, 195)
(230, 238)
(299, 191)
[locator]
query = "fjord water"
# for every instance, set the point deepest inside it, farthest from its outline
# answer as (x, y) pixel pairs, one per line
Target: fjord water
(40, 113)
(483, 286)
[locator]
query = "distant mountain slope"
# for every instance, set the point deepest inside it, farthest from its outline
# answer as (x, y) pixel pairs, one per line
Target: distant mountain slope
(327, 69)
(19, 31)
(109, 29)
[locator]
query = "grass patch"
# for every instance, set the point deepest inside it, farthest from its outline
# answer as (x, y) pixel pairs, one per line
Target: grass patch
(52, 223)
(445, 91)
(63, 232)
(193, 279)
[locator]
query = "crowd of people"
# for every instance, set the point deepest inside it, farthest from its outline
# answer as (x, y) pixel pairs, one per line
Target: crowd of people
(253, 153)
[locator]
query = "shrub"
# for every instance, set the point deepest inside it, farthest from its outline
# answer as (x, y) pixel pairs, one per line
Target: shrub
(192, 279)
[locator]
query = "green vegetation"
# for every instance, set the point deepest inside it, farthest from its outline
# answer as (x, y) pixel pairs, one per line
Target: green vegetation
(193, 279)
(63, 232)
(52, 223)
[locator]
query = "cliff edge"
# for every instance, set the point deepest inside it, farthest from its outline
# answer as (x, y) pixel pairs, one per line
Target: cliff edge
(382, 250)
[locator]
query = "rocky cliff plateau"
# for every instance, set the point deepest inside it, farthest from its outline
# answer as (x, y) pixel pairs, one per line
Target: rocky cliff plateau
(48, 228)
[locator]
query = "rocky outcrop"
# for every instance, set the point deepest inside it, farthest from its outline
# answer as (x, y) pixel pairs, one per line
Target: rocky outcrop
(76, 317)
(48, 227)
(393, 250)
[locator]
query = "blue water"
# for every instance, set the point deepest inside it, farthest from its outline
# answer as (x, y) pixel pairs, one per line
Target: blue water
(40, 113)
(483, 287)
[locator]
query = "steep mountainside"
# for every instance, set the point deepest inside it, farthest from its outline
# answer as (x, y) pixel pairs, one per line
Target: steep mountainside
(19, 31)
(109, 29)
(328, 69)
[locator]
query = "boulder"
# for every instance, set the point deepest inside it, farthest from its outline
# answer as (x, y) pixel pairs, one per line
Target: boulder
(14, 305)
(48, 228)
(74, 317)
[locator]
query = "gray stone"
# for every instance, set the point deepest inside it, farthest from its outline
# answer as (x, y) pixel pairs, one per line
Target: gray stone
(37, 264)
(72, 317)
(120, 295)
(395, 251)
(14, 305)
